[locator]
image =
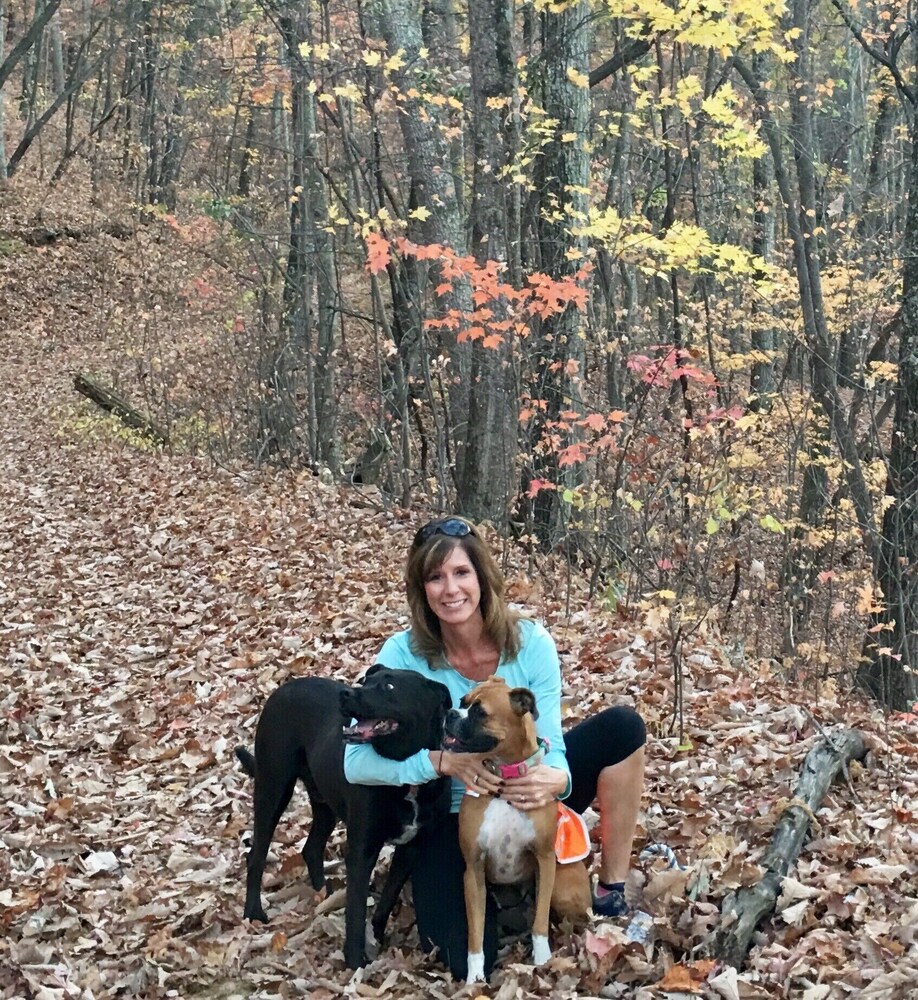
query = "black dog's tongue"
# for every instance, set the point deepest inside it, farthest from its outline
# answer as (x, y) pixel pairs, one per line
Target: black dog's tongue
(365, 730)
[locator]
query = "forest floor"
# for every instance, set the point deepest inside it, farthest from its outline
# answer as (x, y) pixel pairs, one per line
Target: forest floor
(148, 604)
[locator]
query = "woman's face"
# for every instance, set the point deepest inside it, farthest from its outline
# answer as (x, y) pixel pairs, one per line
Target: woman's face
(452, 589)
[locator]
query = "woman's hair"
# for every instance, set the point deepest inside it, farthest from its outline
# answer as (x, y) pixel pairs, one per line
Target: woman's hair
(501, 624)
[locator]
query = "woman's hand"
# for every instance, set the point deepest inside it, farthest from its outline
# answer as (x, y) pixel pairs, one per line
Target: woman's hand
(540, 786)
(469, 768)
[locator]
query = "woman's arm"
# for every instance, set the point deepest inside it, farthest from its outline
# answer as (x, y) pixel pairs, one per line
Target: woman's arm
(364, 766)
(539, 658)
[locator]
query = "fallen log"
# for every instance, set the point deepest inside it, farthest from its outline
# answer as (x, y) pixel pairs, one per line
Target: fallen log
(113, 403)
(743, 910)
(41, 236)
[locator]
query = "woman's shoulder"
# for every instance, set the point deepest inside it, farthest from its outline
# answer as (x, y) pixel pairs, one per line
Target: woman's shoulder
(532, 631)
(397, 652)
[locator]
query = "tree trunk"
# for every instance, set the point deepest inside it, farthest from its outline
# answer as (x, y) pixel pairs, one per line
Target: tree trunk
(56, 46)
(891, 674)
(800, 563)
(891, 651)
(43, 14)
(563, 182)
(81, 71)
(762, 384)
(434, 189)
(484, 484)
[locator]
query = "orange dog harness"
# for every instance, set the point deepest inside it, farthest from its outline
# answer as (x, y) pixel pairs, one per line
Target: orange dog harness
(572, 840)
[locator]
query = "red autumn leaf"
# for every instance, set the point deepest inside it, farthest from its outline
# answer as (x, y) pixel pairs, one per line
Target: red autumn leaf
(537, 485)
(572, 454)
(378, 256)
(595, 421)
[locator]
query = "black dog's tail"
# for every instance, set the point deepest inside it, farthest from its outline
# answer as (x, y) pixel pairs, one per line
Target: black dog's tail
(247, 760)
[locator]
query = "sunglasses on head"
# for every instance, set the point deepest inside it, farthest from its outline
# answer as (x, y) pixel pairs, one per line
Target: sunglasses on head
(453, 527)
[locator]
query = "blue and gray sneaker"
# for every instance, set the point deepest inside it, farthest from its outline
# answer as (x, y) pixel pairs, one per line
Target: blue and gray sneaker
(609, 900)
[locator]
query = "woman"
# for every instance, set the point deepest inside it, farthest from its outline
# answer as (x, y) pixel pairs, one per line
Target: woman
(462, 632)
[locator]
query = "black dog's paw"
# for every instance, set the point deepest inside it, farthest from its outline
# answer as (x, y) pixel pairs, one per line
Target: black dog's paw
(255, 913)
(376, 937)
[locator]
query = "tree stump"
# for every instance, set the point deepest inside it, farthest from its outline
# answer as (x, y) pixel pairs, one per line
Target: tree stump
(743, 910)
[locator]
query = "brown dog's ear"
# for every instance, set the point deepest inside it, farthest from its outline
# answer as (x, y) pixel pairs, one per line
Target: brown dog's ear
(522, 701)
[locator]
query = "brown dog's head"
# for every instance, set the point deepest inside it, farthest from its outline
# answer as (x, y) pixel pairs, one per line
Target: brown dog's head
(490, 717)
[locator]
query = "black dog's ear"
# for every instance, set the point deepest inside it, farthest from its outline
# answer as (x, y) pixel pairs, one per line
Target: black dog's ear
(373, 670)
(446, 699)
(522, 701)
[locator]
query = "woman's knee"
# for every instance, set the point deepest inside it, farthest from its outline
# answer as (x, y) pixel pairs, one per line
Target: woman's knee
(618, 729)
(627, 726)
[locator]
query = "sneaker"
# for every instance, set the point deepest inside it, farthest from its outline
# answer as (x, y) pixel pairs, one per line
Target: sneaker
(610, 903)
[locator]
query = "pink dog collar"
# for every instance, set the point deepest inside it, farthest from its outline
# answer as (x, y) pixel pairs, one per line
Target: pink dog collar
(522, 767)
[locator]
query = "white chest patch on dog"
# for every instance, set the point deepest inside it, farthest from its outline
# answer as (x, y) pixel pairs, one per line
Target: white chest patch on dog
(506, 838)
(410, 829)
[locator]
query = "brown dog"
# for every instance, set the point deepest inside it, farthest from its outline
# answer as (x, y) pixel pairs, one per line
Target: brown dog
(499, 842)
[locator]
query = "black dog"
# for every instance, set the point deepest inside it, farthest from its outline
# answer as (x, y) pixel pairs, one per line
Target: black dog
(300, 734)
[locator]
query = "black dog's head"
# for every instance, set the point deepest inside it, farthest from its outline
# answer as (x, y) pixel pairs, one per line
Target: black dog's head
(398, 711)
(487, 717)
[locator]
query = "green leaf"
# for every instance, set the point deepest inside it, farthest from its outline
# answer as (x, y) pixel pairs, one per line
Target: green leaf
(771, 524)
(713, 526)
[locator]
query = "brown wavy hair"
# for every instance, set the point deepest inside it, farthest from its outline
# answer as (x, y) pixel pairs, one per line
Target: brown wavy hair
(501, 624)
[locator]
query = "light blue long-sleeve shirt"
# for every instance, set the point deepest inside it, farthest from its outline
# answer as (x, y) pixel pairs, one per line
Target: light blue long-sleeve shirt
(535, 667)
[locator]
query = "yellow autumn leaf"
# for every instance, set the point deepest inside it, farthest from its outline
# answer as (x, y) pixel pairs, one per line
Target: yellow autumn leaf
(351, 91)
(395, 62)
(578, 79)
(371, 58)
(881, 371)
(421, 213)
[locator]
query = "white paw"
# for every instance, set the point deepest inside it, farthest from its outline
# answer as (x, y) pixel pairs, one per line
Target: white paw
(371, 945)
(541, 952)
(475, 972)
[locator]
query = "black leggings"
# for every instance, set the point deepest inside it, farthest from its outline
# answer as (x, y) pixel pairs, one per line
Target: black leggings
(439, 900)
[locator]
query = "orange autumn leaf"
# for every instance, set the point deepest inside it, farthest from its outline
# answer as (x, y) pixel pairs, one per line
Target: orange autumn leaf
(686, 977)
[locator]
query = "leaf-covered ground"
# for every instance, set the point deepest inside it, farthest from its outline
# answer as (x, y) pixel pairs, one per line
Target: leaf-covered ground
(149, 603)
